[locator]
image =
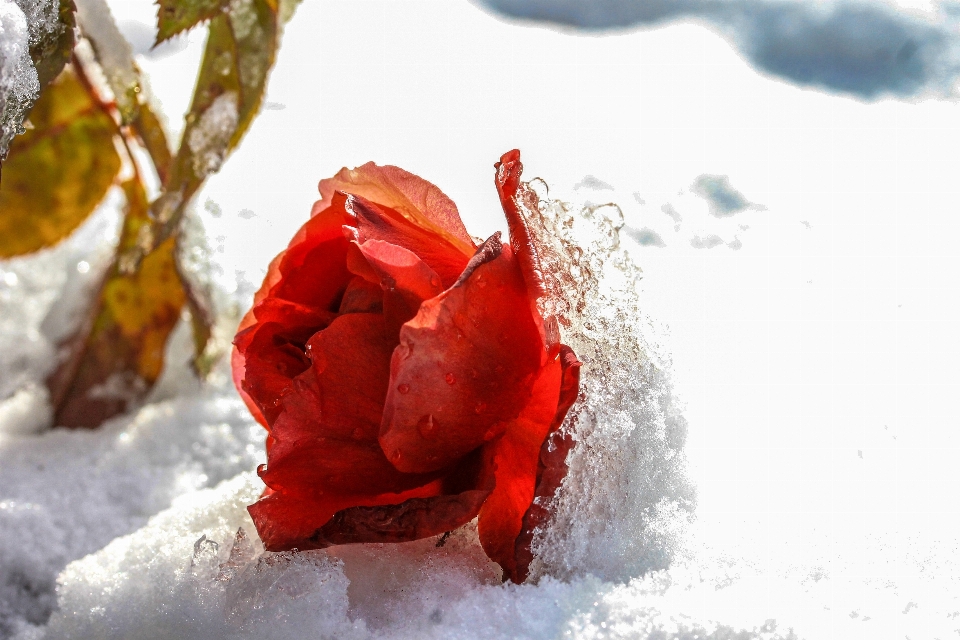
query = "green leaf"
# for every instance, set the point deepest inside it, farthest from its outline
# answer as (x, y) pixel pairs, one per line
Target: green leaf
(57, 172)
(241, 49)
(176, 16)
(118, 353)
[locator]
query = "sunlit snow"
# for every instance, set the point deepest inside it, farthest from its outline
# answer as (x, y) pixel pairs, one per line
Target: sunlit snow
(769, 438)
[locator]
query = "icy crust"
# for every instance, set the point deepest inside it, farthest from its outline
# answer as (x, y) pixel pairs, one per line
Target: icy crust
(19, 85)
(626, 500)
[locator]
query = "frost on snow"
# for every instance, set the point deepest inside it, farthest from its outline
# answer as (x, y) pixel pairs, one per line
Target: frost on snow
(18, 77)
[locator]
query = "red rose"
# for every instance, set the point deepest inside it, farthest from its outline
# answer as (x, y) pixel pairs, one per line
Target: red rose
(405, 376)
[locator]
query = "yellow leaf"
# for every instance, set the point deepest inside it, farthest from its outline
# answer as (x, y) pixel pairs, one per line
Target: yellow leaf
(118, 355)
(57, 172)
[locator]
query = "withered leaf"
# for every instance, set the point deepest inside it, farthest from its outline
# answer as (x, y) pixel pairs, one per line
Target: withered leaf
(176, 16)
(118, 356)
(58, 171)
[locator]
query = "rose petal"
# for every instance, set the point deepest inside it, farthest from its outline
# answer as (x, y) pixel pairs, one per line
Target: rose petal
(271, 361)
(464, 366)
(325, 439)
(465, 488)
(417, 200)
(362, 296)
(377, 222)
(286, 521)
(283, 281)
(513, 194)
(552, 465)
(406, 279)
(515, 456)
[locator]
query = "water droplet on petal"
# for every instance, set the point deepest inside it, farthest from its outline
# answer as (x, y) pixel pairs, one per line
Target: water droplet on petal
(403, 388)
(450, 378)
(435, 281)
(481, 283)
(261, 469)
(395, 457)
(481, 406)
(489, 434)
(427, 426)
(358, 433)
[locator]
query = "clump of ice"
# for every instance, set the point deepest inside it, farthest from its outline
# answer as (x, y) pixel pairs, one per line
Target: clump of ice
(209, 139)
(19, 85)
(624, 504)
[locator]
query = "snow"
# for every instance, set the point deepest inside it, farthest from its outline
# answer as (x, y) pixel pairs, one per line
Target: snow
(809, 372)
(18, 77)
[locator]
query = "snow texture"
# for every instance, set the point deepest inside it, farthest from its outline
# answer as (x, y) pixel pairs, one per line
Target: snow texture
(19, 85)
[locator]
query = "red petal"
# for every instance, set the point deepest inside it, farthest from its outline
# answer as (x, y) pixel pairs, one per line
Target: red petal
(464, 366)
(508, 184)
(271, 361)
(362, 296)
(325, 439)
(513, 194)
(415, 199)
(377, 222)
(285, 521)
(514, 456)
(317, 245)
(406, 279)
(552, 465)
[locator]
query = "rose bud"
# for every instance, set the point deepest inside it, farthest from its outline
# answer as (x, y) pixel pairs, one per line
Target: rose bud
(406, 378)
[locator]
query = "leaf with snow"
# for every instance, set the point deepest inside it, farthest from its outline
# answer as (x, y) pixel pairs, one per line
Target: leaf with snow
(240, 51)
(57, 172)
(177, 16)
(115, 56)
(117, 355)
